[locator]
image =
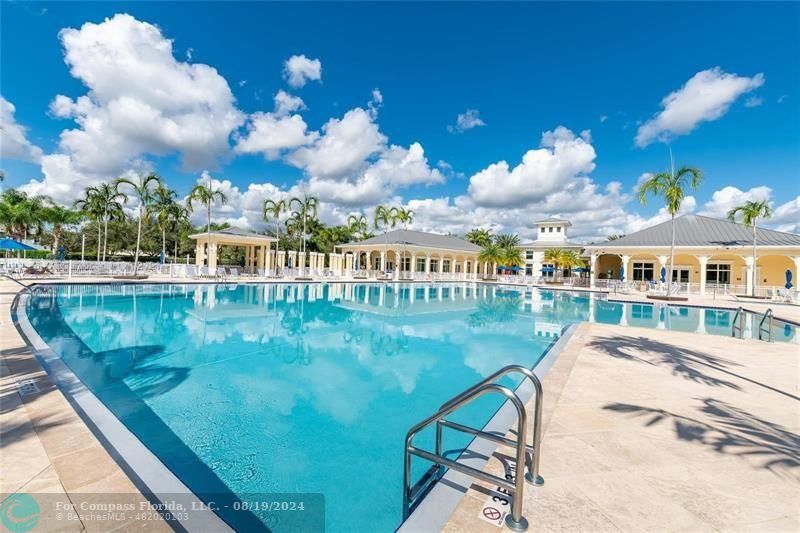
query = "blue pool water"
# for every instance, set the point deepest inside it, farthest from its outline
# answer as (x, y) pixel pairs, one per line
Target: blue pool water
(247, 389)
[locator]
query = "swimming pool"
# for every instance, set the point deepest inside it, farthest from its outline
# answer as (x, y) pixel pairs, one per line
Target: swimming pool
(293, 388)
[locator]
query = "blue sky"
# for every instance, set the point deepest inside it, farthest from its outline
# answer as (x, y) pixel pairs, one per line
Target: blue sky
(593, 74)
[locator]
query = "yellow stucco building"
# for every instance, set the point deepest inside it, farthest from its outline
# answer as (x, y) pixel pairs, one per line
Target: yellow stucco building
(710, 255)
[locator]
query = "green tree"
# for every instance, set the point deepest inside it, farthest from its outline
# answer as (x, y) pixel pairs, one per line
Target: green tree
(507, 240)
(671, 186)
(305, 207)
(162, 208)
(358, 225)
(751, 211)
(207, 195)
(91, 206)
(492, 253)
(479, 236)
(274, 209)
(385, 217)
(557, 256)
(405, 217)
(142, 188)
(58, 217)
(513, 256)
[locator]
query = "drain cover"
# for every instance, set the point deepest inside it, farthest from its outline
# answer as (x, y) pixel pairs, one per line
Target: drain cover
(26, 387)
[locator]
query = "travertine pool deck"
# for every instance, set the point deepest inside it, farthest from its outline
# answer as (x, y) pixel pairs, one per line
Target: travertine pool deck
(46, 450)
(663, 431)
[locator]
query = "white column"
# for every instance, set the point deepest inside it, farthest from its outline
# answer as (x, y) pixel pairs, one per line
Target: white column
(475, 266)
(413, 266)
(796, 277)
(441, 265)
(750, 268)
(383, 261)
(703, 264)
(592, 278)
(464, 268)
(427, 263)
(199, 258)
(626, 259)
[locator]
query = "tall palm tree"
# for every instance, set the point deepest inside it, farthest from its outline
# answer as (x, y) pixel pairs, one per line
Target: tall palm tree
(178, 215)
(20, 213)
(91, 206)
(59, 217)
(109, 198)
(162, 208)
(305, 205)
(571, 259)
(358, 225)
(507, 240)
(492, 253)
(405, 217)
(385, 217)
(557, 257)
(479, 236)
(274, 209)
(513, 256)
(751, 211)
(672, 187)
(207, 195)
(142, 189)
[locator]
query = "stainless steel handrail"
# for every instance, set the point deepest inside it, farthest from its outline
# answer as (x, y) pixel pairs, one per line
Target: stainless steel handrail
(515, 520)
(769, 315)
(532, 476)
(739, 315)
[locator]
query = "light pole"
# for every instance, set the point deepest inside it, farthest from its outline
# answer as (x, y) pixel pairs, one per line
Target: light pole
(83, 245)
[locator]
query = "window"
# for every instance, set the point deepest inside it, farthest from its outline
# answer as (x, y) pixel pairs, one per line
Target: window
(550, 229)
(642, 272)
(529, 255)
(548, 270)
(446, 265)
(718, 273)
(420, 264)
(541, 230)
(558, 229)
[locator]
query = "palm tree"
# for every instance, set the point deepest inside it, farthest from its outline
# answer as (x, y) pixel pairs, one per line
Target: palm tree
(274, 209)
(206, 195)
(305, 205)
(507, 240)
(109, 197)
(571, 259)
(385, 217)
(479, 236)
(555, 256)
(178, 215)
(59, 217)
(405, 217)
(91, 206)
(751, 211)
(142, 188)
(672, 187)
(162, 208)
(513, 257)
(358, 225)
(492, 253)
(20, 213)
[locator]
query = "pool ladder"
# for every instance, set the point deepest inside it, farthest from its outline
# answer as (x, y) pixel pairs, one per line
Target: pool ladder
(738, 324)
(525, 454)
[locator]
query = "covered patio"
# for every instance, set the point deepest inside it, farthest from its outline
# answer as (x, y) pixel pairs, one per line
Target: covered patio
(256, 246)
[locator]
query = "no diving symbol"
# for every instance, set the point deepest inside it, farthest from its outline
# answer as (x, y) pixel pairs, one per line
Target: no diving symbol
(491, 513)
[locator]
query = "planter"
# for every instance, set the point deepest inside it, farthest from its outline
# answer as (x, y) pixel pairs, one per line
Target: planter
(132, 277)
(665, 298)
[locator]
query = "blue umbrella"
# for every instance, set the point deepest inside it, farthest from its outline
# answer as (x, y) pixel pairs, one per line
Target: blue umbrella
(580, 269)
(11, 244)
(548, 270)
(788, 279)
(515, 269)
(622, 273)
(161, 257)
(663, 274)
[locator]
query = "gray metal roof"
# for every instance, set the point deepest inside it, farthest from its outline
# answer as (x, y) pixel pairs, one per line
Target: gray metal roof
(550, 244)
(697, 230)
(234, 231)
(553, 221)
(418, 238)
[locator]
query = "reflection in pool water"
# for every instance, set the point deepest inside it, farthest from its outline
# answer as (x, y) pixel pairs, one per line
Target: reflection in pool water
(309, 388)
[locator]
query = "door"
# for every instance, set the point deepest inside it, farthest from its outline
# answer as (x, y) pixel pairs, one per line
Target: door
(681, 274)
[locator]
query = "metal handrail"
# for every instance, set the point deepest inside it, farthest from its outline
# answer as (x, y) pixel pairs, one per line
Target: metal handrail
(532, 476)
(515, 520)
(769, 315)
(738, 316)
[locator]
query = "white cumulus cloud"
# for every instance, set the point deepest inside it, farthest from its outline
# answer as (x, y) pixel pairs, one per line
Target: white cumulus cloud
(562, 157)
(272, 134)
(706, 96)
(14, 143)
(471, 118)
(725, 199)
(299, 69)
(141, 100)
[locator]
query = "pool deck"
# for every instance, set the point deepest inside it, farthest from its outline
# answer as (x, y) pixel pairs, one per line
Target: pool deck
(644, 430)
(649, 430)
(45, 447)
